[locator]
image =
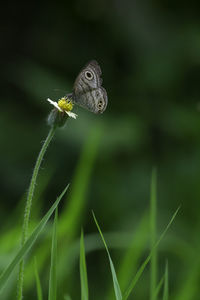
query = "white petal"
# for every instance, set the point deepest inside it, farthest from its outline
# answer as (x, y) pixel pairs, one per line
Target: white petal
(55, 104)
(71, 114)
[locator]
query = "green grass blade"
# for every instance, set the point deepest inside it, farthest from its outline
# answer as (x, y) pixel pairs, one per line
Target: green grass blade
(133, 253)
(53, 267)
(189, 286)
(118, 294)
(166, 285)
(72, 212)
(153, 262)
(38, 284)
(83, 270)
(141, 269)
(159, 285)
(29, 243)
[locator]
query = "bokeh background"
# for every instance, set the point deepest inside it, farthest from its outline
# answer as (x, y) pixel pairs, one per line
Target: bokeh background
(149, 52)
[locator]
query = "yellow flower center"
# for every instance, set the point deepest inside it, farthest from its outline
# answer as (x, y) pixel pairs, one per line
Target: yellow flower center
(65, 104)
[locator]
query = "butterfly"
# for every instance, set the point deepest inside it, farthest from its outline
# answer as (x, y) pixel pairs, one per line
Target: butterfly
(87, 91)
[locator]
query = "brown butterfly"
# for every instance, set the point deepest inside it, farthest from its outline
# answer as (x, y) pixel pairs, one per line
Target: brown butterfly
(87, 91)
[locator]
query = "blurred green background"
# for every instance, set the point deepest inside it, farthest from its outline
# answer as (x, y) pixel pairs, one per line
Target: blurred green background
(149, 53)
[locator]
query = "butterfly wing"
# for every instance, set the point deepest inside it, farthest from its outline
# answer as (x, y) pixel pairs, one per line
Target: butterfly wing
(88, 79)
(95, 100)
(87, 91)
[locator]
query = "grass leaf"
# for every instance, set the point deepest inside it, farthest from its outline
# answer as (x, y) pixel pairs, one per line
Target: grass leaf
(83, 270)
(153, 265)
(189, 287)
(166, 289)
(133, 253)
(118, 294)
(160, 283)
(53, 267)
(141, 269)
(29, 242)
(37, 278)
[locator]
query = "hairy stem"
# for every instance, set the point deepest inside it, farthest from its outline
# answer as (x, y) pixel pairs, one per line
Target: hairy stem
(28, 208)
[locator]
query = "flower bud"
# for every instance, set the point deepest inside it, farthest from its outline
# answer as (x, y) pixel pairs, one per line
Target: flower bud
(57, 118)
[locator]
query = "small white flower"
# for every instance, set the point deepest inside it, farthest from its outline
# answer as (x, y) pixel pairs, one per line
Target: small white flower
(55, 104)
(68, 112)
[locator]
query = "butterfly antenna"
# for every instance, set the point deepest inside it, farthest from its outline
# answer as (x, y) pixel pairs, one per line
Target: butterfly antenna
(59, 90)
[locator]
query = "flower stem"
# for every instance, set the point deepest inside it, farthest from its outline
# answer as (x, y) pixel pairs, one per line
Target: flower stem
(28, 208)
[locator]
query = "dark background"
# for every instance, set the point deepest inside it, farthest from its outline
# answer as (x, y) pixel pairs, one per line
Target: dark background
(149, 52)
